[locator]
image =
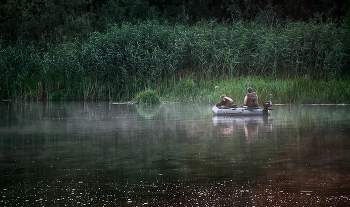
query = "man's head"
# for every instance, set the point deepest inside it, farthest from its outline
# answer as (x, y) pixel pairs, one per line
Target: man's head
(222, 96)
(250, 90)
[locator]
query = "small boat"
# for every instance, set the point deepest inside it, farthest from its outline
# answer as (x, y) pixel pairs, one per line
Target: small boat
(245, 111)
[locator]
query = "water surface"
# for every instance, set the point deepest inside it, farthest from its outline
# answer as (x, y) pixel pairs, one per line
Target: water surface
(102, 154)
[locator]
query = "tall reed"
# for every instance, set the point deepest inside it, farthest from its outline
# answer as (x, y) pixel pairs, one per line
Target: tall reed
(132, 57)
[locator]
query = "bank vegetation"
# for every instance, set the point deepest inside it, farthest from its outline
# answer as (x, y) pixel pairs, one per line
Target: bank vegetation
(284, 60)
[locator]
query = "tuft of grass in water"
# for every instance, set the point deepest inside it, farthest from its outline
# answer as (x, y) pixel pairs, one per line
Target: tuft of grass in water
(148, 96)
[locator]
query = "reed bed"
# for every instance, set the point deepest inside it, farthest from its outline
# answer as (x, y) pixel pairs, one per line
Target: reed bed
(293, 91)
(182, 63)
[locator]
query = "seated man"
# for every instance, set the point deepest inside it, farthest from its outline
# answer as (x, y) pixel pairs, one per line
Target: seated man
(251, 99)
(226, 102)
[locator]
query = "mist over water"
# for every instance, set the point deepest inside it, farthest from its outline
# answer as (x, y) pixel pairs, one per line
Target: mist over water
(98, 153)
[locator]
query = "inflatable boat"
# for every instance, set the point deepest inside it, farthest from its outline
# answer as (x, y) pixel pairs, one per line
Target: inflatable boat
(245, 111)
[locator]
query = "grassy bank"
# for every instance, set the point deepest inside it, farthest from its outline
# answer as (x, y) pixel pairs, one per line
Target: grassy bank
(294, 62)
(293, 91)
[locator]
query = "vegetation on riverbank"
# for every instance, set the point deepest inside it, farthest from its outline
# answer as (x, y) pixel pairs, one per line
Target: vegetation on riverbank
(115, 50)
(308, 61)
(292, 91)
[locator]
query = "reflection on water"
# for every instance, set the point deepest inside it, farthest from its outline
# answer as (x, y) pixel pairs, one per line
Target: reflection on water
(96, 154)
(251, 124)
(148, 111)
(308, 171)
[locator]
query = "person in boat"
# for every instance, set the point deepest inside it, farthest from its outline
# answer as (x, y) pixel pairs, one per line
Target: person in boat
(251, 99)
(226, 102)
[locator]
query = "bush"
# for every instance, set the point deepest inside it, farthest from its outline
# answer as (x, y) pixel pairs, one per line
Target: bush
(147, 96)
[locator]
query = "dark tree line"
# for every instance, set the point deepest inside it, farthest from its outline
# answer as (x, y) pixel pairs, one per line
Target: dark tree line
(55, 21)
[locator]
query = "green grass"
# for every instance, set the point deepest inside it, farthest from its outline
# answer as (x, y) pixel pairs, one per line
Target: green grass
(292, 91)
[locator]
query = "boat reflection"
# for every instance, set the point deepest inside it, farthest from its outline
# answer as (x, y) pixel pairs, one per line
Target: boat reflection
(251, 130)
(251, 125)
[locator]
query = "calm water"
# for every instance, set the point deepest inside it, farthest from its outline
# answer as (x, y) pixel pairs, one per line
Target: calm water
(102, 154)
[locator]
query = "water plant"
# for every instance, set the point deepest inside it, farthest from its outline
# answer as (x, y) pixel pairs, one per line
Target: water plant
(148, 96)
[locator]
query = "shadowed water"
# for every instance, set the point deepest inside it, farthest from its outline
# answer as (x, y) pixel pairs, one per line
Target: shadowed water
(102, 154)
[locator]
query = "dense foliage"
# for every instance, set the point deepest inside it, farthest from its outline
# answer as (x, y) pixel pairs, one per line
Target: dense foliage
(114, 49)
(132, 57)
(57, 21)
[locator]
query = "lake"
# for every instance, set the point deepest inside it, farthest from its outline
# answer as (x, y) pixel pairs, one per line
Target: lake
(103, 154)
